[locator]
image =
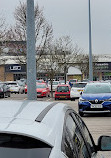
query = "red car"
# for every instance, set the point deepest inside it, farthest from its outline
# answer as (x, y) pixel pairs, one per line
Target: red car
(62, 92)
(42, 90)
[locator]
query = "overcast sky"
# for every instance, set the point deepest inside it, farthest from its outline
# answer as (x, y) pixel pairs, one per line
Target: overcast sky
(70, 17)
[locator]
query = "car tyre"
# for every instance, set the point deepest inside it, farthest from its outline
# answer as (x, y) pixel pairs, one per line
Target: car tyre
(81, 113)
(8, 94)
(3, 96)
(23, 92)
(72, 99)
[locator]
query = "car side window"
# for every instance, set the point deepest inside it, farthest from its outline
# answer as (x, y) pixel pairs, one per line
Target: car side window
(72, 134)
(86, 134)
(67, 143)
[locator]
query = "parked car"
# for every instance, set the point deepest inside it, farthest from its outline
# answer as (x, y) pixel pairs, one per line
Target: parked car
(40, 81)
(32, 130)
(4, 90)
(54, 85)
(73, 81)
(76, 89)
(14, 86)
(23, 80)
(62, 81)
(96, 98)
(42, 90)
(22, 86)
(62, 92)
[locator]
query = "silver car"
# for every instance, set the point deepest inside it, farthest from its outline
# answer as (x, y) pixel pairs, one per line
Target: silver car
(36, 129)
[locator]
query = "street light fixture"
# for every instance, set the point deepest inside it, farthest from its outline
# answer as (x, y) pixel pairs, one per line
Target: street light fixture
(90, 48)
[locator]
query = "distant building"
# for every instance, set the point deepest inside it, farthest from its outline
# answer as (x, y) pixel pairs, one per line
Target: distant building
(74, 73)
(11, 69)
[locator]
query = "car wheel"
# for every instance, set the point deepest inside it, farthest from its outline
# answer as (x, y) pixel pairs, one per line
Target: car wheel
(72, 99)
(3, 96)
(81, 113)
(55, 98)
(8, 94)
(22, 92)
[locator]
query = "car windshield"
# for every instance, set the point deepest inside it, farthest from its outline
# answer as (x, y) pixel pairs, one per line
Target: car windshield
(62, 89)
(79, 85)
(40, 86)
(18, 146)
(98, 88)
(54, 83)
(39, 81)
(62, 81)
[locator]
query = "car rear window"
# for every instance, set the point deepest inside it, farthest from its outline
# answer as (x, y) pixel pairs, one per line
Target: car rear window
(17, 146)
(73, 80)
(40, 86)
(54, 83)
(62, 89)
(79, 85)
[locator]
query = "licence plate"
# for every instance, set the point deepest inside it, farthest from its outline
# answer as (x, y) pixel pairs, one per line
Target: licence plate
(62, 96)
(96, 106)
(80, 90)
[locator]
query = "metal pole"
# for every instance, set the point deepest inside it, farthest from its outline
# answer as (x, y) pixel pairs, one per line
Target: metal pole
(31, 60)
(90, 48)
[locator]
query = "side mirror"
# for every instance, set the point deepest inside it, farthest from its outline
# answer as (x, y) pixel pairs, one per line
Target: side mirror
(81, 93)
(104, 143)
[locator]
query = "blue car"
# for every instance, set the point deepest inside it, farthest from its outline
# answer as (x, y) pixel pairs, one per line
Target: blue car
(96, 98)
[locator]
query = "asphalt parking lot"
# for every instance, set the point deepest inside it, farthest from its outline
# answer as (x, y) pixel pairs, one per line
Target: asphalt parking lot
(97, 124)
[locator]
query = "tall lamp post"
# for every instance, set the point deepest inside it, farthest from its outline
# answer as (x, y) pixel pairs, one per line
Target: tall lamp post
(31, 60)
(90, 48)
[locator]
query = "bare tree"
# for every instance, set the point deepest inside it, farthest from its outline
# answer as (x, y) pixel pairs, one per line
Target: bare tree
(68, 52)
(83, 63)
(2, 27)
(43, 31)
(49, 63)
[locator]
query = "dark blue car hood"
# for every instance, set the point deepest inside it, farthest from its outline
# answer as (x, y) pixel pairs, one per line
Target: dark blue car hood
(100, 96)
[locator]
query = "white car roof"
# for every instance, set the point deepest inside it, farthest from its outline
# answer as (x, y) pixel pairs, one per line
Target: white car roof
(27, 118)
(100, 83)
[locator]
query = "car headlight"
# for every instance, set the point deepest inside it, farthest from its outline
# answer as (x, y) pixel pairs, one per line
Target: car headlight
(82, 99)
(108, 99)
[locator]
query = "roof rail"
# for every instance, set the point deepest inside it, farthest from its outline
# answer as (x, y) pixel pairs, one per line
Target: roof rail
(44, 112)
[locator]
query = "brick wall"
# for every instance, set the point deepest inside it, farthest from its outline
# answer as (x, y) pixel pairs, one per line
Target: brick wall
(5, 76)
(2, 70)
